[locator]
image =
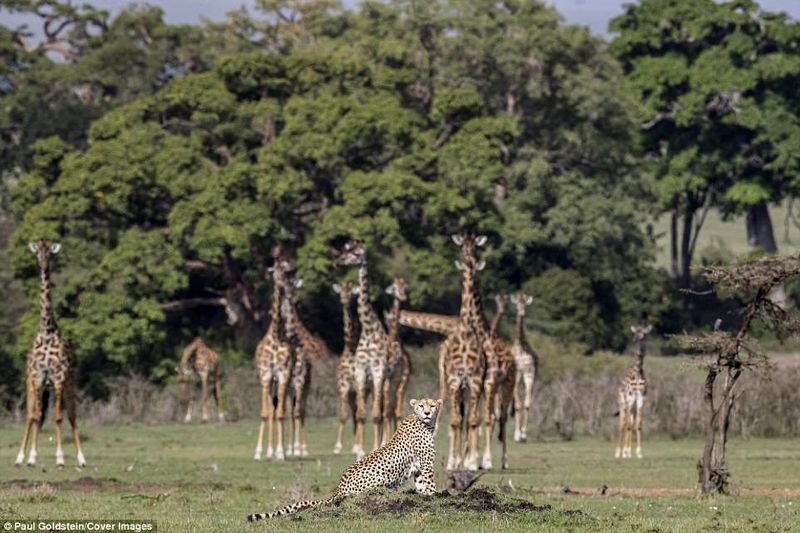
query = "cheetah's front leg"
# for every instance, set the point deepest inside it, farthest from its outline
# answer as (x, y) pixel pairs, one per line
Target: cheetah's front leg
(425, 480)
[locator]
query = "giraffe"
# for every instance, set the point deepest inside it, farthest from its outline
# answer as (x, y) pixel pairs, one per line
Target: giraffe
(50, 362)
(301, 371)
(200, 360)
(630, 397)
(345, 384)
(398, 367)
(275, 355)
(498, 383)
(371, 352)
(527, 369)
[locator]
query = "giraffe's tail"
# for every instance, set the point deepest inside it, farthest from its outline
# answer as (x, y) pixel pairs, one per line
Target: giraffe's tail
(289, 509)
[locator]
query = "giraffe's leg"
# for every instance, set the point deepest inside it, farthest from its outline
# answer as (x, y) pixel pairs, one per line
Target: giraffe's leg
(489, 421)
(218, 394)
(505, 404)
(626, 449)
(206, 396)
(474, 420)
(386, 409)
(289, 441)
(638, 423)
(454, 456)
(518, 407)
(303, 398)
(37, 423)
(280, 415)
(30, 419)
(529, 378)
(622, 414)
(58, 417)
(361, 413)
(343, 393)
(400, 398)
(377, 397)
(187, 387)
(266, 414)
(71, 403)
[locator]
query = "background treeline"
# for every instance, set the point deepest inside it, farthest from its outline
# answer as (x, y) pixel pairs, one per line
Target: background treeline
(169, 159)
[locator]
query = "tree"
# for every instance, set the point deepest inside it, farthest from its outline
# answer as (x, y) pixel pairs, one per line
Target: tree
(734, 353)
(716, 82)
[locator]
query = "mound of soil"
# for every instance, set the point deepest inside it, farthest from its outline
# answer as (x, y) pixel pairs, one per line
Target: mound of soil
(475, 500)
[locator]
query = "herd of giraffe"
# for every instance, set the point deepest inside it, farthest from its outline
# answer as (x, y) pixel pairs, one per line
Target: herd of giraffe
(481, 375)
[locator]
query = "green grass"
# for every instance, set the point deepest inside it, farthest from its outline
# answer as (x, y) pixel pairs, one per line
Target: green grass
(203, 478)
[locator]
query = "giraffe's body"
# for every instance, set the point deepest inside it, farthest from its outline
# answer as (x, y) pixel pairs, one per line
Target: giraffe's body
(498, 384)
(630, 398)
(306, 348)
(275, 361)
(527, 361)
(345, 376)
(50, 362)
(201, 361)
(369, 361)
(398, 364)
(441, 324)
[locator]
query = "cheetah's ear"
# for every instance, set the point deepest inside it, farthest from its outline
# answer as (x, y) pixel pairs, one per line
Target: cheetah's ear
(439, 403)
(413, 403)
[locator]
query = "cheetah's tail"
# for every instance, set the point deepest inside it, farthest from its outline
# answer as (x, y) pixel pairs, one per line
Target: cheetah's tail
(289, 509)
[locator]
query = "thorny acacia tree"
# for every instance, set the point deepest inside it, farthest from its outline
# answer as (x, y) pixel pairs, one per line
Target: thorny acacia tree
(734, 352)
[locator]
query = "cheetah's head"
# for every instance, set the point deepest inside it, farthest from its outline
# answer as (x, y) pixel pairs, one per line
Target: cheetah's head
(427, 410)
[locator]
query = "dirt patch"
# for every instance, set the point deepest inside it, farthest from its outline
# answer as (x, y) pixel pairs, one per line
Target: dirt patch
(475, 500)
(660, 491)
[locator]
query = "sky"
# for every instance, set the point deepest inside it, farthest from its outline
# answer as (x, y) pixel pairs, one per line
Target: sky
(592, 13)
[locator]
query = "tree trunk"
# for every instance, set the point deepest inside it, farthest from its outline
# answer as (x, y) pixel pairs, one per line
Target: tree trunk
(673, 243)
(686, 247)
(759, 228)
(712, 467)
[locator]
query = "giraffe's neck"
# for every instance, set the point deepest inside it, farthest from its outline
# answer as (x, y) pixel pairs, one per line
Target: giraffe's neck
(350, 337)
(276, 323)
(640, 358)
(47, 321)
(471, 305)
(394, 324)
(370, 324)
(519, 330)
(498, 317)
(290, 321)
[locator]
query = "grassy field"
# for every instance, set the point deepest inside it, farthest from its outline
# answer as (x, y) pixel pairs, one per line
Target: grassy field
(203, 478)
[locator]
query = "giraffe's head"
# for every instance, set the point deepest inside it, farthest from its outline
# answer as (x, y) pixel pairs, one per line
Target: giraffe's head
(346, 291)
(521, 301)
(468, 243)
(427, 410)
(43, 250)
(641, 331)
(354, 253)
(398, 289)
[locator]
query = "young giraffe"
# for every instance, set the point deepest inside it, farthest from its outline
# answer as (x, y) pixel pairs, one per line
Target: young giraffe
(498, 383)
(630, 397)
(301, 372)
(371, 351)
(527, 369)
(200, 360)
(500, 301)
(398, 367)
(275, 356)
(345, 380)
(50, 362)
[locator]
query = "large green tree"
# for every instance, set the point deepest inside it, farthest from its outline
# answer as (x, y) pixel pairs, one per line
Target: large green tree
(717, 82)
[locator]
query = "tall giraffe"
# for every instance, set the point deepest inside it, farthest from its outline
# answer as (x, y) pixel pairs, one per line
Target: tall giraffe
(275, 355)
(345, 377)
(50, 362)
(371, 351)
(200, 360)
(398, 368)
(301, 371)
(498, 383)
(527, 369)
(630, 397)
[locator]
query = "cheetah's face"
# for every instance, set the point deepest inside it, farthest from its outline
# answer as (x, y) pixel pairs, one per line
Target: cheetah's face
(426, 409)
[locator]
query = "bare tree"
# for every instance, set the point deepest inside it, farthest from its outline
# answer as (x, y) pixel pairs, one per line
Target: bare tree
(734, 352)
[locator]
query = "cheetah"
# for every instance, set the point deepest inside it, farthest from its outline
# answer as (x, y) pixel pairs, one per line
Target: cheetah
(410, 452)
